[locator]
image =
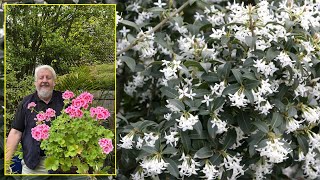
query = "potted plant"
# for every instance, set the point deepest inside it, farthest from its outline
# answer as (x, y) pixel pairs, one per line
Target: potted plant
(76, 141)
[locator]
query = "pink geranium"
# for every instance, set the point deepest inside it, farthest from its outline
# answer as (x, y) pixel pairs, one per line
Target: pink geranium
(100, 113)
(106, 145)
(40, 132)
(67, 95)
(31, 105)
(41, 116)
(79, 102)
(50, 113)
(74, 112)
(87, 97)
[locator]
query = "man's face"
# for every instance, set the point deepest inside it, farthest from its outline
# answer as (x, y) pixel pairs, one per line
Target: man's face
(44, 83)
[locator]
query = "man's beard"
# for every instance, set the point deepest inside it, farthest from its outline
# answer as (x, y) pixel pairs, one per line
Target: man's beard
(44, 93)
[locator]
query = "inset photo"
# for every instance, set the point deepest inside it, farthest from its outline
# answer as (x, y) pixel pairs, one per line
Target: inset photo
(60, 89)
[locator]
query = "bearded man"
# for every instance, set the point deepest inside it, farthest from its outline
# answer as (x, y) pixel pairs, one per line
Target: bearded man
(44, 97)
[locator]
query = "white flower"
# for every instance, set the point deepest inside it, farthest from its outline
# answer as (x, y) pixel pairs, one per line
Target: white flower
(218, 88)
(118, 18)
(127, 141)
(265, 69)
(198, 16)
(153, 166)
(240, 136)
(292, 125)
(171, 139)
(221, 125)
(238, 99)
(217, 33)
(311, 115)
(184, 93)
(301, 90)
(124, 31)
(167, 116)
(187, 121)
(139, 143)
(137, 176)
(188, 166)
(284, 59)
(233, 163)
(207, 99)
(136, 7)
(211, 171)
(274, 151)
(159, 3)
(261, 169)
(150, 139)
(311, 165)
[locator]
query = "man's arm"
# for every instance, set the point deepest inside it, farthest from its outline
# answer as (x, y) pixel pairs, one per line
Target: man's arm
(13, 140)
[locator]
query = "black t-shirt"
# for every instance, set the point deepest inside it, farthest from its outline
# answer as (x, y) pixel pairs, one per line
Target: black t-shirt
(19, 121)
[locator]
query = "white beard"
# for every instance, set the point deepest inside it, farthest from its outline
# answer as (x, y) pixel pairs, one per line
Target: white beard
(44, 93)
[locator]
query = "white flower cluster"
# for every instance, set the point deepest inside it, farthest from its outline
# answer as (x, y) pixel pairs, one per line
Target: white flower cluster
(187, 121)
(277, 72)
(148, 139)
(188, 166)
(153, 166)
(275, 151)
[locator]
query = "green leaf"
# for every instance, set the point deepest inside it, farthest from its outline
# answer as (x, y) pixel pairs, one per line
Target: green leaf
(172, 167)
(132, 24)
(169, 150)
(216, 159)
(226, 69)
(203, 153)
(149, 149)
(198, 127)
(277, 120)
(211, 131)
(190, 63)
(51, 163)
(131, 63)
(292, 111)
(249, 95)
(251, 84)
(271, 54)
(178, 104)
(262, 126)
(218, 102)
(244, 122)
(230, 139)
(251, 41)
(303, 143)
(210, 77)
(237, 74)
(231, 89)
(186, 142)
(206, 66)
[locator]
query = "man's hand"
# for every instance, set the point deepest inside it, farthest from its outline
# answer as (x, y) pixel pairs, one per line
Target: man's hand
(13, 140)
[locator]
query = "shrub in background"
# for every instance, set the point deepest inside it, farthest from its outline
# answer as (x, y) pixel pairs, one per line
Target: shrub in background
(232, 93)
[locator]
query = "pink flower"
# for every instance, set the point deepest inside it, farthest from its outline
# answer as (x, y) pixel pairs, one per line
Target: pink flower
(41, 116)
(79, 102)
(67, 95)
(40, 132)
(50, 113)
(100, 112)
(106, 145)
(74, 112)
(31, 105)
(86, 96)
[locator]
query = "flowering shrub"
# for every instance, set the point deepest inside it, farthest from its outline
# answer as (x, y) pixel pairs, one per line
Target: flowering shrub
(77, 137)
(232, 92)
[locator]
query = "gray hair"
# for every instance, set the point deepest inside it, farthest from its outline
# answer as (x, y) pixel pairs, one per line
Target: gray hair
(44, 67)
